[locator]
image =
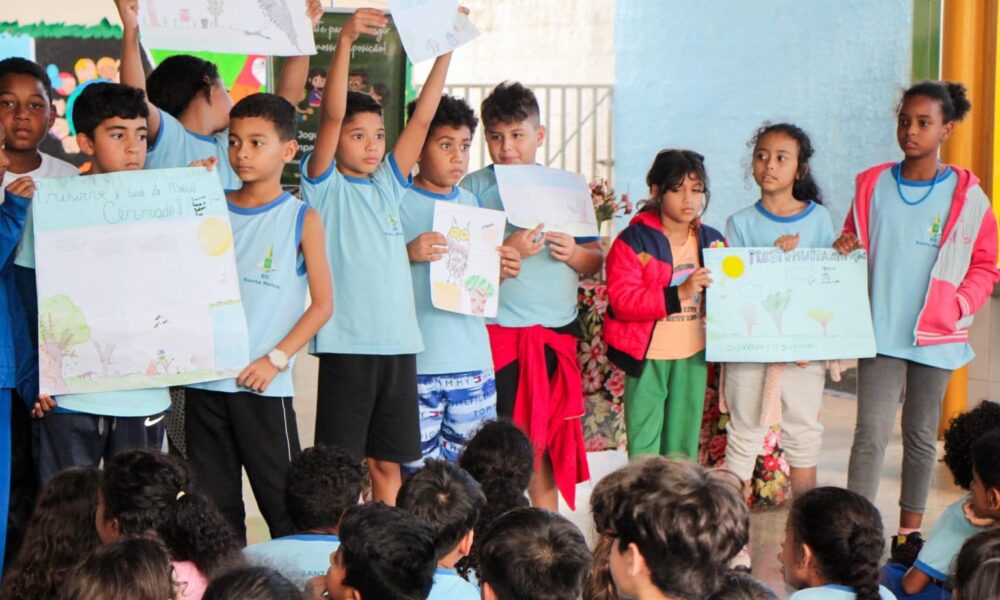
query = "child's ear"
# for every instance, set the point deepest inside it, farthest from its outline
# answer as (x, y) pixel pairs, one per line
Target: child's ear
(946, 130)
(288, 153)
(806, 556)
(488, 593)
(465, 544)
(993, 497)
(635, 561)
(52, 115)
(540, 132)
(654, 192)
(86, 144)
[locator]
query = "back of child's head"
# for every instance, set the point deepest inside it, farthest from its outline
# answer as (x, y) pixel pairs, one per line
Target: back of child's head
(963, 431)
(23, 66)
(500, 457)
(510, 102)
(986, 459)
(446, 498)
(976, 572)
(805, 187)
(270, 107)
(176, 81)
(844, 533)
(382, 94)
(99, 102)
(322, 483)
(951, 96)
(452, 111)
(135, 568)
(60, 531)
(686, 522)
(533, 554)
(387, 552)
(252, 583)
(743, 586)
(669, 170)
(148, 491)
(360, 102)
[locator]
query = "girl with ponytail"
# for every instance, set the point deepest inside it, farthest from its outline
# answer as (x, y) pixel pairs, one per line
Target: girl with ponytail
(931, 238)
(145, 492)
(832, 548)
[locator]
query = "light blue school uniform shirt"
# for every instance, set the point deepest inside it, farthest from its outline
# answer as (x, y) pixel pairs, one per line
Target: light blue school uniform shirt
(945, 541)
(545, 291)
(373, 304)
(273, 283)
(297, 557)
(903, 247)
(175, 146)
(756, 227)
(453, 342)
(449, 585)
(836, 592)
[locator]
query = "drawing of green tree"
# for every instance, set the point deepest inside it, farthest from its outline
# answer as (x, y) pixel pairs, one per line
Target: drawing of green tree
(822, 316)
(776, 304)
(61, 326)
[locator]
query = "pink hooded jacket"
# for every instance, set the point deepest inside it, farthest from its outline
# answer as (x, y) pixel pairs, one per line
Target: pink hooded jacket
(966, 267)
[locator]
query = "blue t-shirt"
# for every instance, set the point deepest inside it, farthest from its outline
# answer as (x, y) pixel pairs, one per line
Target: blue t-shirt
(836, 592)
(449, 585)
(755, 227)
(453, 342)
(175, 146)
(297, 557)
(545, 291)
(372, 288)
(946, 539)
(903, 248)
(273, 284)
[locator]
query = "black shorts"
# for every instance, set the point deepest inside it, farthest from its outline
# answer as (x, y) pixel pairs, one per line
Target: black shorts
(367, 404)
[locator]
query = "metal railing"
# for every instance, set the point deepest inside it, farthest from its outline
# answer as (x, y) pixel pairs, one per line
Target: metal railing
(579, 126)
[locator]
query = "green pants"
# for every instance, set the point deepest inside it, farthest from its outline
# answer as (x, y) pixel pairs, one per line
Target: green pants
(664, 406)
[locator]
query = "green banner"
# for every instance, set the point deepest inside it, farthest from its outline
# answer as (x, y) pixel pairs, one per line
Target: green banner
(378, 67)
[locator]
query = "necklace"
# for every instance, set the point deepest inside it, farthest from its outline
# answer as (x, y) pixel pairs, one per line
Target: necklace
(927, 194)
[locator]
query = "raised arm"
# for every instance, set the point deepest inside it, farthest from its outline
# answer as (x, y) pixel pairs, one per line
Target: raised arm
(411, 139)
(295, 69)
(131, 65)
(334, 107)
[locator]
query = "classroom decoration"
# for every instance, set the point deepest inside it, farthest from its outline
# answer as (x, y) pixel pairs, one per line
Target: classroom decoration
(467, 279)
(378, 67)
(137, 282)
(430, 28)
(275, 27)
(767, 305)
(533, 195)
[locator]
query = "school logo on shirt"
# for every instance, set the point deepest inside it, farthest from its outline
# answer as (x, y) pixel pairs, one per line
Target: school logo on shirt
(392, 220)
(933, 233)
(267, 265)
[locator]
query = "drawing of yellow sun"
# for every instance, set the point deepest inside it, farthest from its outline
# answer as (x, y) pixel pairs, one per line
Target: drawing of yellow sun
(215, 237)
(732, 267)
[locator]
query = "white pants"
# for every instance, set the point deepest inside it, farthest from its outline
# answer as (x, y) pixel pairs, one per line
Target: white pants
(801, 401)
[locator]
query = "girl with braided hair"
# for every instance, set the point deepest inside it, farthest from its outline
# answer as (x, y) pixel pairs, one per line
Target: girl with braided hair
(832, 548)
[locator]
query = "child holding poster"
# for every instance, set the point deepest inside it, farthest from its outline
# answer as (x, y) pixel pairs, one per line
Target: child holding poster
(248, 421)
(931, 237)
(542, 385)
(789, 214)
(367, 395)
(654, 330)
(455, 379)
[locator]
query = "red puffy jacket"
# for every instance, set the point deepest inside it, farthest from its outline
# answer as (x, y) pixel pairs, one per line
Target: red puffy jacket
(639, 269)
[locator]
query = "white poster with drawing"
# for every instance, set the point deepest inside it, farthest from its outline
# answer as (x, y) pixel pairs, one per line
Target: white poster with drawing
(137, 282)
(273, 27)
(430, 28)
(533, 195)
(467, 279)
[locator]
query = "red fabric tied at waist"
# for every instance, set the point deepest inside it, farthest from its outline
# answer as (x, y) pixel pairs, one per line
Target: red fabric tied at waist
(547, 410)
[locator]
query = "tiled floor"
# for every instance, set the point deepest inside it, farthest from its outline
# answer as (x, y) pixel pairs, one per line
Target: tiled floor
(767, 527)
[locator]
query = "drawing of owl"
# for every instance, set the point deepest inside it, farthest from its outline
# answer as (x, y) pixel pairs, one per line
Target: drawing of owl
(458, 252)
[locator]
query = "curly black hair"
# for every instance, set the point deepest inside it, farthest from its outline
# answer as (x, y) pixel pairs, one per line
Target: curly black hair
(178, 80)
(452, 111)
(23, 66)
(445, 497)
(510, 102)
(805, 187)
(952, 97)
(270, 107)
(146, 490)
(963, 430)
(322, 483)
(252, 583)
(99, 102)
(360, 102)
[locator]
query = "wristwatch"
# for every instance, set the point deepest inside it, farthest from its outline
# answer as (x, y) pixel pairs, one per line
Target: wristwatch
(279, 360)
